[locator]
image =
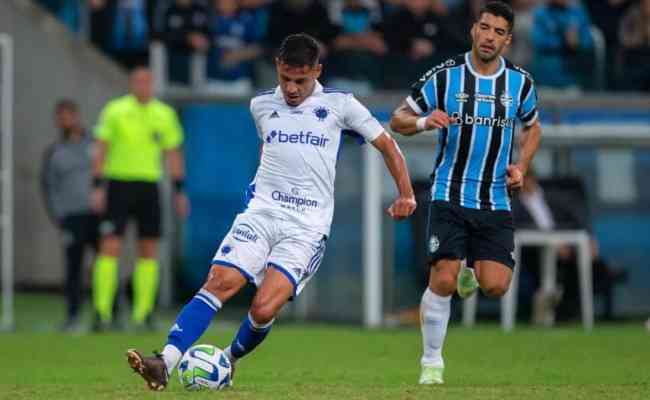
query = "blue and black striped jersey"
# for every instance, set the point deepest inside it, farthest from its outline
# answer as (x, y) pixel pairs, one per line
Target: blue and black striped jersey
(474, 151)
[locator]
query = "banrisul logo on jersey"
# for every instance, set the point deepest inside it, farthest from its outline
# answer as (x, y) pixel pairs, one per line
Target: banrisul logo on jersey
(244, 233)
(456, 119)
(307, 138)
(294, 200)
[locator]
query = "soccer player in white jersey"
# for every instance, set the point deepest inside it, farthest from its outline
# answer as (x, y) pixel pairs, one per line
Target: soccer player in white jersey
(278, 242)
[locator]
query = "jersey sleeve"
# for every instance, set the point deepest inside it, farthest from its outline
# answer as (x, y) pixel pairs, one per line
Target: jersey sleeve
(254, 107)
(358, 118)
(172, 131)
(527, 112)
(423, 94)
(105, 129)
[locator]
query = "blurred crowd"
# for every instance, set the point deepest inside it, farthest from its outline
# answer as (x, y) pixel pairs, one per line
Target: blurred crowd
(384, 44)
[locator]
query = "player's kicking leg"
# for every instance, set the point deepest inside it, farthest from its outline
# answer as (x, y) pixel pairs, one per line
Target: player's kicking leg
(293, 261)
(222, 283)
(434, 313)
(276, 289)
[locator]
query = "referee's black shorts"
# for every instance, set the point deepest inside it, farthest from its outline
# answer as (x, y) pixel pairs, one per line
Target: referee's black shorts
(457, 233)
(137, 200)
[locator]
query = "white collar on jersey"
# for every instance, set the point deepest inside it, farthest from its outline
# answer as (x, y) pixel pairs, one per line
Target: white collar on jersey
(318, 88)
(468, 62)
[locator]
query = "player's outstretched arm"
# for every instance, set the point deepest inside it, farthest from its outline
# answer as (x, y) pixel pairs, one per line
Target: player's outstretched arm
(405, 205)
(528, 145)
(407, 122)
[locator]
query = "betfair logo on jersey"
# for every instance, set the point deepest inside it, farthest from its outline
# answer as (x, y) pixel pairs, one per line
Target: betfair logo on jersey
(499, 122)
(308, 138)
(244, 233)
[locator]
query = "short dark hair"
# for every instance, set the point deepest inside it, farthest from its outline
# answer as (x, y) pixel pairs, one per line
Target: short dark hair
(299, 50)
(499, 9)
(66, 105)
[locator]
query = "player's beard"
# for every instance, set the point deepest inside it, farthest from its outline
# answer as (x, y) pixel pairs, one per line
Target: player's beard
(491, 57)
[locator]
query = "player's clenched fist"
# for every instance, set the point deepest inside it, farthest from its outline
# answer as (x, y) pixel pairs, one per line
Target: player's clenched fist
(402, 208)
(514, 178)
(437, 120)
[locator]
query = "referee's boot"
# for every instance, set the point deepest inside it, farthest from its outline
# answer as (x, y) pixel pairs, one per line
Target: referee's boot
(152, 369)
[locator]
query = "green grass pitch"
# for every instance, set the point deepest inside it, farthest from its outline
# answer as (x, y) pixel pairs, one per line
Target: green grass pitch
(325, 362)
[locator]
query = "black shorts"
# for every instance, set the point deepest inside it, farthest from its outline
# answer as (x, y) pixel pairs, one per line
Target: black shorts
(457, 233)
(137, 200)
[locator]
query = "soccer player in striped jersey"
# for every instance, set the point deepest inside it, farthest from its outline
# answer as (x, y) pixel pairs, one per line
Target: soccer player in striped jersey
(473, 99)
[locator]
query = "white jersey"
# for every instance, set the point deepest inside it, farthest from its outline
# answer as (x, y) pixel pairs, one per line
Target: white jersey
(295, 179)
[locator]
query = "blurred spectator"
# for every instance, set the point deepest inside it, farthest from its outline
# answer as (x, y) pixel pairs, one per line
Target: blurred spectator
(122, 28)
(259, 9)
(235, 47)
(185, 31)
(606, 15)
(552, 208)
(68, 11)
(388, 7)
(65, 179)
(561, 38)
(463, 18)
(635, 44)
(418, 34)
(287, 17)
(357, 50)
(521, 48)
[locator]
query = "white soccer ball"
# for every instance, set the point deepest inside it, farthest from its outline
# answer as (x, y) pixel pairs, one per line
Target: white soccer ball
(205, 367)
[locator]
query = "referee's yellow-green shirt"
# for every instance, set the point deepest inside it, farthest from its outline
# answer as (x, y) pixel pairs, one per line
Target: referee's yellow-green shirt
(136, 135)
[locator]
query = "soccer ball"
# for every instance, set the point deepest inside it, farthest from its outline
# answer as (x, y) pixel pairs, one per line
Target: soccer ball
(204, 367)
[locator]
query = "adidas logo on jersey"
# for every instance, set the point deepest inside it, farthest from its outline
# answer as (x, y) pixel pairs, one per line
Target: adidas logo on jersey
(298, 138)
(274, 114)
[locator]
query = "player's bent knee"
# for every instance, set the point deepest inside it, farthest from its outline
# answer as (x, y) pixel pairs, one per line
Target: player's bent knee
(110, 246)
(262, 313)
(224, 282)
(443, 284)
(497, 289)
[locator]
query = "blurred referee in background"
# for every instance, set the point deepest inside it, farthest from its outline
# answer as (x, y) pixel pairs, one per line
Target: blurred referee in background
(134, 132)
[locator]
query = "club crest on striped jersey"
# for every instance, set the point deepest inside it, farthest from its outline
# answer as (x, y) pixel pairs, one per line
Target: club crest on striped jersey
(505, 99)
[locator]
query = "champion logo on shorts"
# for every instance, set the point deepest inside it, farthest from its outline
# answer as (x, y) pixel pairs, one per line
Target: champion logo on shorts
(226, 249)
(434, 244)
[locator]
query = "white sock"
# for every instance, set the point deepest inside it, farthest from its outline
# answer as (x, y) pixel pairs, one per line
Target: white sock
(172, 356)
(434, 313)
(229, 355)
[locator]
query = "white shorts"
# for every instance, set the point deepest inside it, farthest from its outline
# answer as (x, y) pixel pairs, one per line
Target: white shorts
(257, 241)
